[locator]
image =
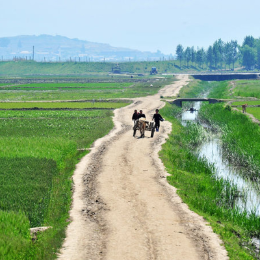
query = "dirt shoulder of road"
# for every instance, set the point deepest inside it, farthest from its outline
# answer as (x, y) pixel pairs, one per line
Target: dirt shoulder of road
(123, 207)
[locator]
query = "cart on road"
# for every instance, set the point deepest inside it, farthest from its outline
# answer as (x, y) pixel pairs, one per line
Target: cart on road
(149, 126)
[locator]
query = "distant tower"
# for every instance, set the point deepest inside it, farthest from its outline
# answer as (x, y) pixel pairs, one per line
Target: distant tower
(33, 53)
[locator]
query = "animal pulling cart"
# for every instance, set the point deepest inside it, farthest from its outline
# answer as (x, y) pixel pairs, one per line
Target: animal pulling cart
(143, 126)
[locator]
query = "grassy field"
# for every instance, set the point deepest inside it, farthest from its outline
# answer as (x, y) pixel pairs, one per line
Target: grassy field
(195, 88)
(220, 89)
(44, 114)
(62, 105)
(250, 103)
(28, 68)
(38, 155)
(80, 91)
(247, 88)
(255, 111)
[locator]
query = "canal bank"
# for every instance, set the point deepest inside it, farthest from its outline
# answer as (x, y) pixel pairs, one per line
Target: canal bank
(211, 197)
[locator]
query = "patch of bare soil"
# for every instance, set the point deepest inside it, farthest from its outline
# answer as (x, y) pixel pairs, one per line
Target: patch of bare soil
(123, 207)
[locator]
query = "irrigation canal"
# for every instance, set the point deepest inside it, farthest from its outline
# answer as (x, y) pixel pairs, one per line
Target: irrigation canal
(249, 192)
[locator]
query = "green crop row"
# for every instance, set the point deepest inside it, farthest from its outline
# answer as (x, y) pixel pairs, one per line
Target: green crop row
(210, 197)
(38, 153)
(50, 105)
(250, 103)
(68, 86)
(12, 114)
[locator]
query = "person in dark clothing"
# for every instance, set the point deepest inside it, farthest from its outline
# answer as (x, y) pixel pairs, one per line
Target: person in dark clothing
(135, 116)
(157, 118)
(141, 114)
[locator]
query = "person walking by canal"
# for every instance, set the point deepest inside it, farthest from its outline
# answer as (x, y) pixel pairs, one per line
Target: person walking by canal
(157, 118)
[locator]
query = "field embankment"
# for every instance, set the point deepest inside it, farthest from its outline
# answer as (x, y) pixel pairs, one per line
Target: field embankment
(31, 68)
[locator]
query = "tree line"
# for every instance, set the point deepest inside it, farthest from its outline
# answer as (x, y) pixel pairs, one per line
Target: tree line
(222, 54)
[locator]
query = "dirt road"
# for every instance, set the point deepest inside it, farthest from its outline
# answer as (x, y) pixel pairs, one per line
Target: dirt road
(123, 207)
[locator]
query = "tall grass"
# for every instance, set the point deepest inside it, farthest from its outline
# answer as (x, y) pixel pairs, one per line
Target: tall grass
(195, 88)
(220, 89)
(14, 228)
(240, 136)
(213, 198)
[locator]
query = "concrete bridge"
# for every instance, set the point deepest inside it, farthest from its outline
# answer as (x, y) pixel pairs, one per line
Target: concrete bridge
(178, 101)
(226, 76)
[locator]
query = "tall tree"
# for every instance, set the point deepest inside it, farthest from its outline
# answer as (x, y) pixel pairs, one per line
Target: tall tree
(187, 55)
(221, 49)
(248, 57)
(216, 54)
(249, 40)
(258, 52)
(210, 56)
(228, 54)
(193, 54)
(234, 51)
(179, 53)
(200, 57)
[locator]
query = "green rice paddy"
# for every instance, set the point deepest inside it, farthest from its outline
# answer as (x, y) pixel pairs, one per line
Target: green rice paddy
(38, 153)
(62, 105)
(79, 91)
(247, 88)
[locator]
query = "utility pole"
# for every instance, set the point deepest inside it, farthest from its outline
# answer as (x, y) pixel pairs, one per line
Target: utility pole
(33, 53)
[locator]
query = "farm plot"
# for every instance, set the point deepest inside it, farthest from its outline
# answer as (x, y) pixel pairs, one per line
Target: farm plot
(78, 91)
(39, 150)
(247, 88)
(62, 105)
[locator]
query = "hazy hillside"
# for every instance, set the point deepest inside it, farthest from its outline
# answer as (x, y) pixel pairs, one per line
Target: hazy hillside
(55, 48)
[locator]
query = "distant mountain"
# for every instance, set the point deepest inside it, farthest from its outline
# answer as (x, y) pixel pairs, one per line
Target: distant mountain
(60, 48)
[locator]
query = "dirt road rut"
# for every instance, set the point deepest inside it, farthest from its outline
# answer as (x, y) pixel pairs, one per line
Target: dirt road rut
(123, 207)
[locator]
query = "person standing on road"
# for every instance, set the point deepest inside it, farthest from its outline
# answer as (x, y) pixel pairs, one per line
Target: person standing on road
(157, 118)
(135, 116)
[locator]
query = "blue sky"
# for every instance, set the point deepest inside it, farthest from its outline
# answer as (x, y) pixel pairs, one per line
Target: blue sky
(137, 24)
